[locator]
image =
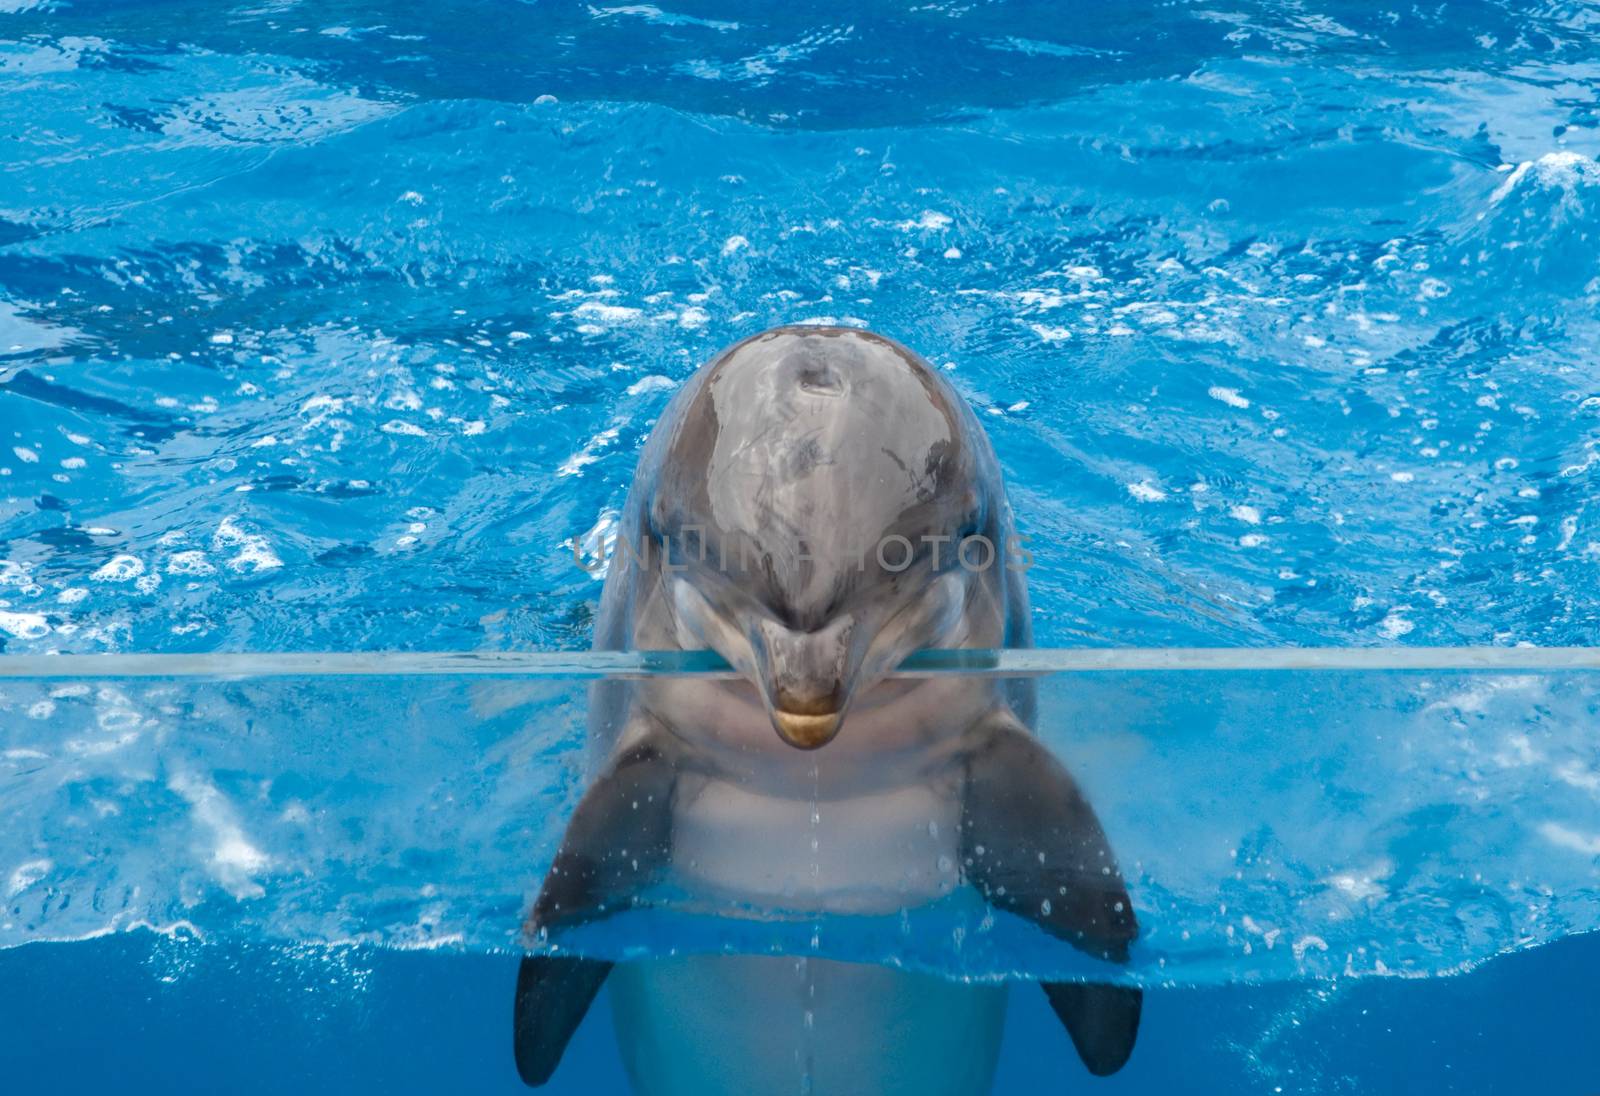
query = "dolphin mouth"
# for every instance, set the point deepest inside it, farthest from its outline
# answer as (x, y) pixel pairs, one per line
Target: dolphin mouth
(807, 730)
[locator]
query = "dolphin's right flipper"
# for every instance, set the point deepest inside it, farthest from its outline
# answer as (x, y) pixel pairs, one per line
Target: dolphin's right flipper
(554, 993)
(617, 844)
(1032, 845)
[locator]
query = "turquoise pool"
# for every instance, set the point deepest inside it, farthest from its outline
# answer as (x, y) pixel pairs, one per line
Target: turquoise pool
(339, 326)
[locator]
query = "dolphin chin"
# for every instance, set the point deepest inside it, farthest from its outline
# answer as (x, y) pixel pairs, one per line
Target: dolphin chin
(807, 732)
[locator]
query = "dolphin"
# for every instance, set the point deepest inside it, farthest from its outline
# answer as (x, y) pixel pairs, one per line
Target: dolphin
(815, 504)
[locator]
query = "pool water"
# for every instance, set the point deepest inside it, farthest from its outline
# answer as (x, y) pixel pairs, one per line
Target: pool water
(338, 326)
(171, 1016)
(1347, 881)
(328, 325)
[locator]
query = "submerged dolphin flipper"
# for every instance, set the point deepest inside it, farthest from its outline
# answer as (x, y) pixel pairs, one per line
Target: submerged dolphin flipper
(1031, 844)
(1102, 1020)
(554, 993)
(617, 844)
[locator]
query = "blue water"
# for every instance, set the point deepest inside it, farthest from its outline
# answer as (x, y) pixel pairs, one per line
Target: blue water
(336, 325)
(1285, 826)
(1282, 317)
(168, 1016)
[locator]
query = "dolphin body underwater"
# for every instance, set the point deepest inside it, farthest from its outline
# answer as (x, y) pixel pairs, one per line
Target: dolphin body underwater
(805, 494)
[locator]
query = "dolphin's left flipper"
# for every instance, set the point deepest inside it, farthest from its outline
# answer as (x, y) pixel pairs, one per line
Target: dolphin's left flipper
(1031, 844)
(618, 842)
(1102, 1020)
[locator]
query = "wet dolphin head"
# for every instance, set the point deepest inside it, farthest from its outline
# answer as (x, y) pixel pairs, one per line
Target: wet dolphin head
(826, 505)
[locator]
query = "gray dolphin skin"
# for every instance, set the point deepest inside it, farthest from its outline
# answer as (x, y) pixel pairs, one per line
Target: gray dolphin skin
(801, 509)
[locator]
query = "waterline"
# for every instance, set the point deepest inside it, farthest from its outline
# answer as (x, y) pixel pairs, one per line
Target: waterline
(593, 665)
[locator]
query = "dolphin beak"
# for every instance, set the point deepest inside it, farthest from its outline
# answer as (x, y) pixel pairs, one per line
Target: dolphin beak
(807, 732)
(806, 679)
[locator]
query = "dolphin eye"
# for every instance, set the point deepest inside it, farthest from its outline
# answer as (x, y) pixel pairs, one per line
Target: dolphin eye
(680, 544)
(977, 519)
(684, 543)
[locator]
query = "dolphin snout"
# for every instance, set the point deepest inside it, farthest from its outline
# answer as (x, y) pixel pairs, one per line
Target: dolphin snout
(807, 732)
(805, 680)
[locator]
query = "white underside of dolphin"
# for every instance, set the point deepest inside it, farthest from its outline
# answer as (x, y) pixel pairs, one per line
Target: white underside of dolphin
(784, 1026)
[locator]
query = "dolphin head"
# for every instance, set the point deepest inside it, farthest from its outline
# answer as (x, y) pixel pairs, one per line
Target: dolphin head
(825, 505)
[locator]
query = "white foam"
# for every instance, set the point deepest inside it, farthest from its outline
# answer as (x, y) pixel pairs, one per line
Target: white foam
(1575, 775)
(1307, 943)
(1477, 694)
(1565, 838)
(652, 383)
(593, 550)
(1229, 396)
(235, 860)
(652, 14)
(1044, 300)
(607, 313)
(190, 563)
(24, 625)
(1361, 886)
(1564, 169)
(26, 875)
(1050, 334)
(588, 454)
(172, 929)
(122, 568)
(1145, 491)
(930, 219)
(1393, 626)
(254, 553)
(328, 405)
